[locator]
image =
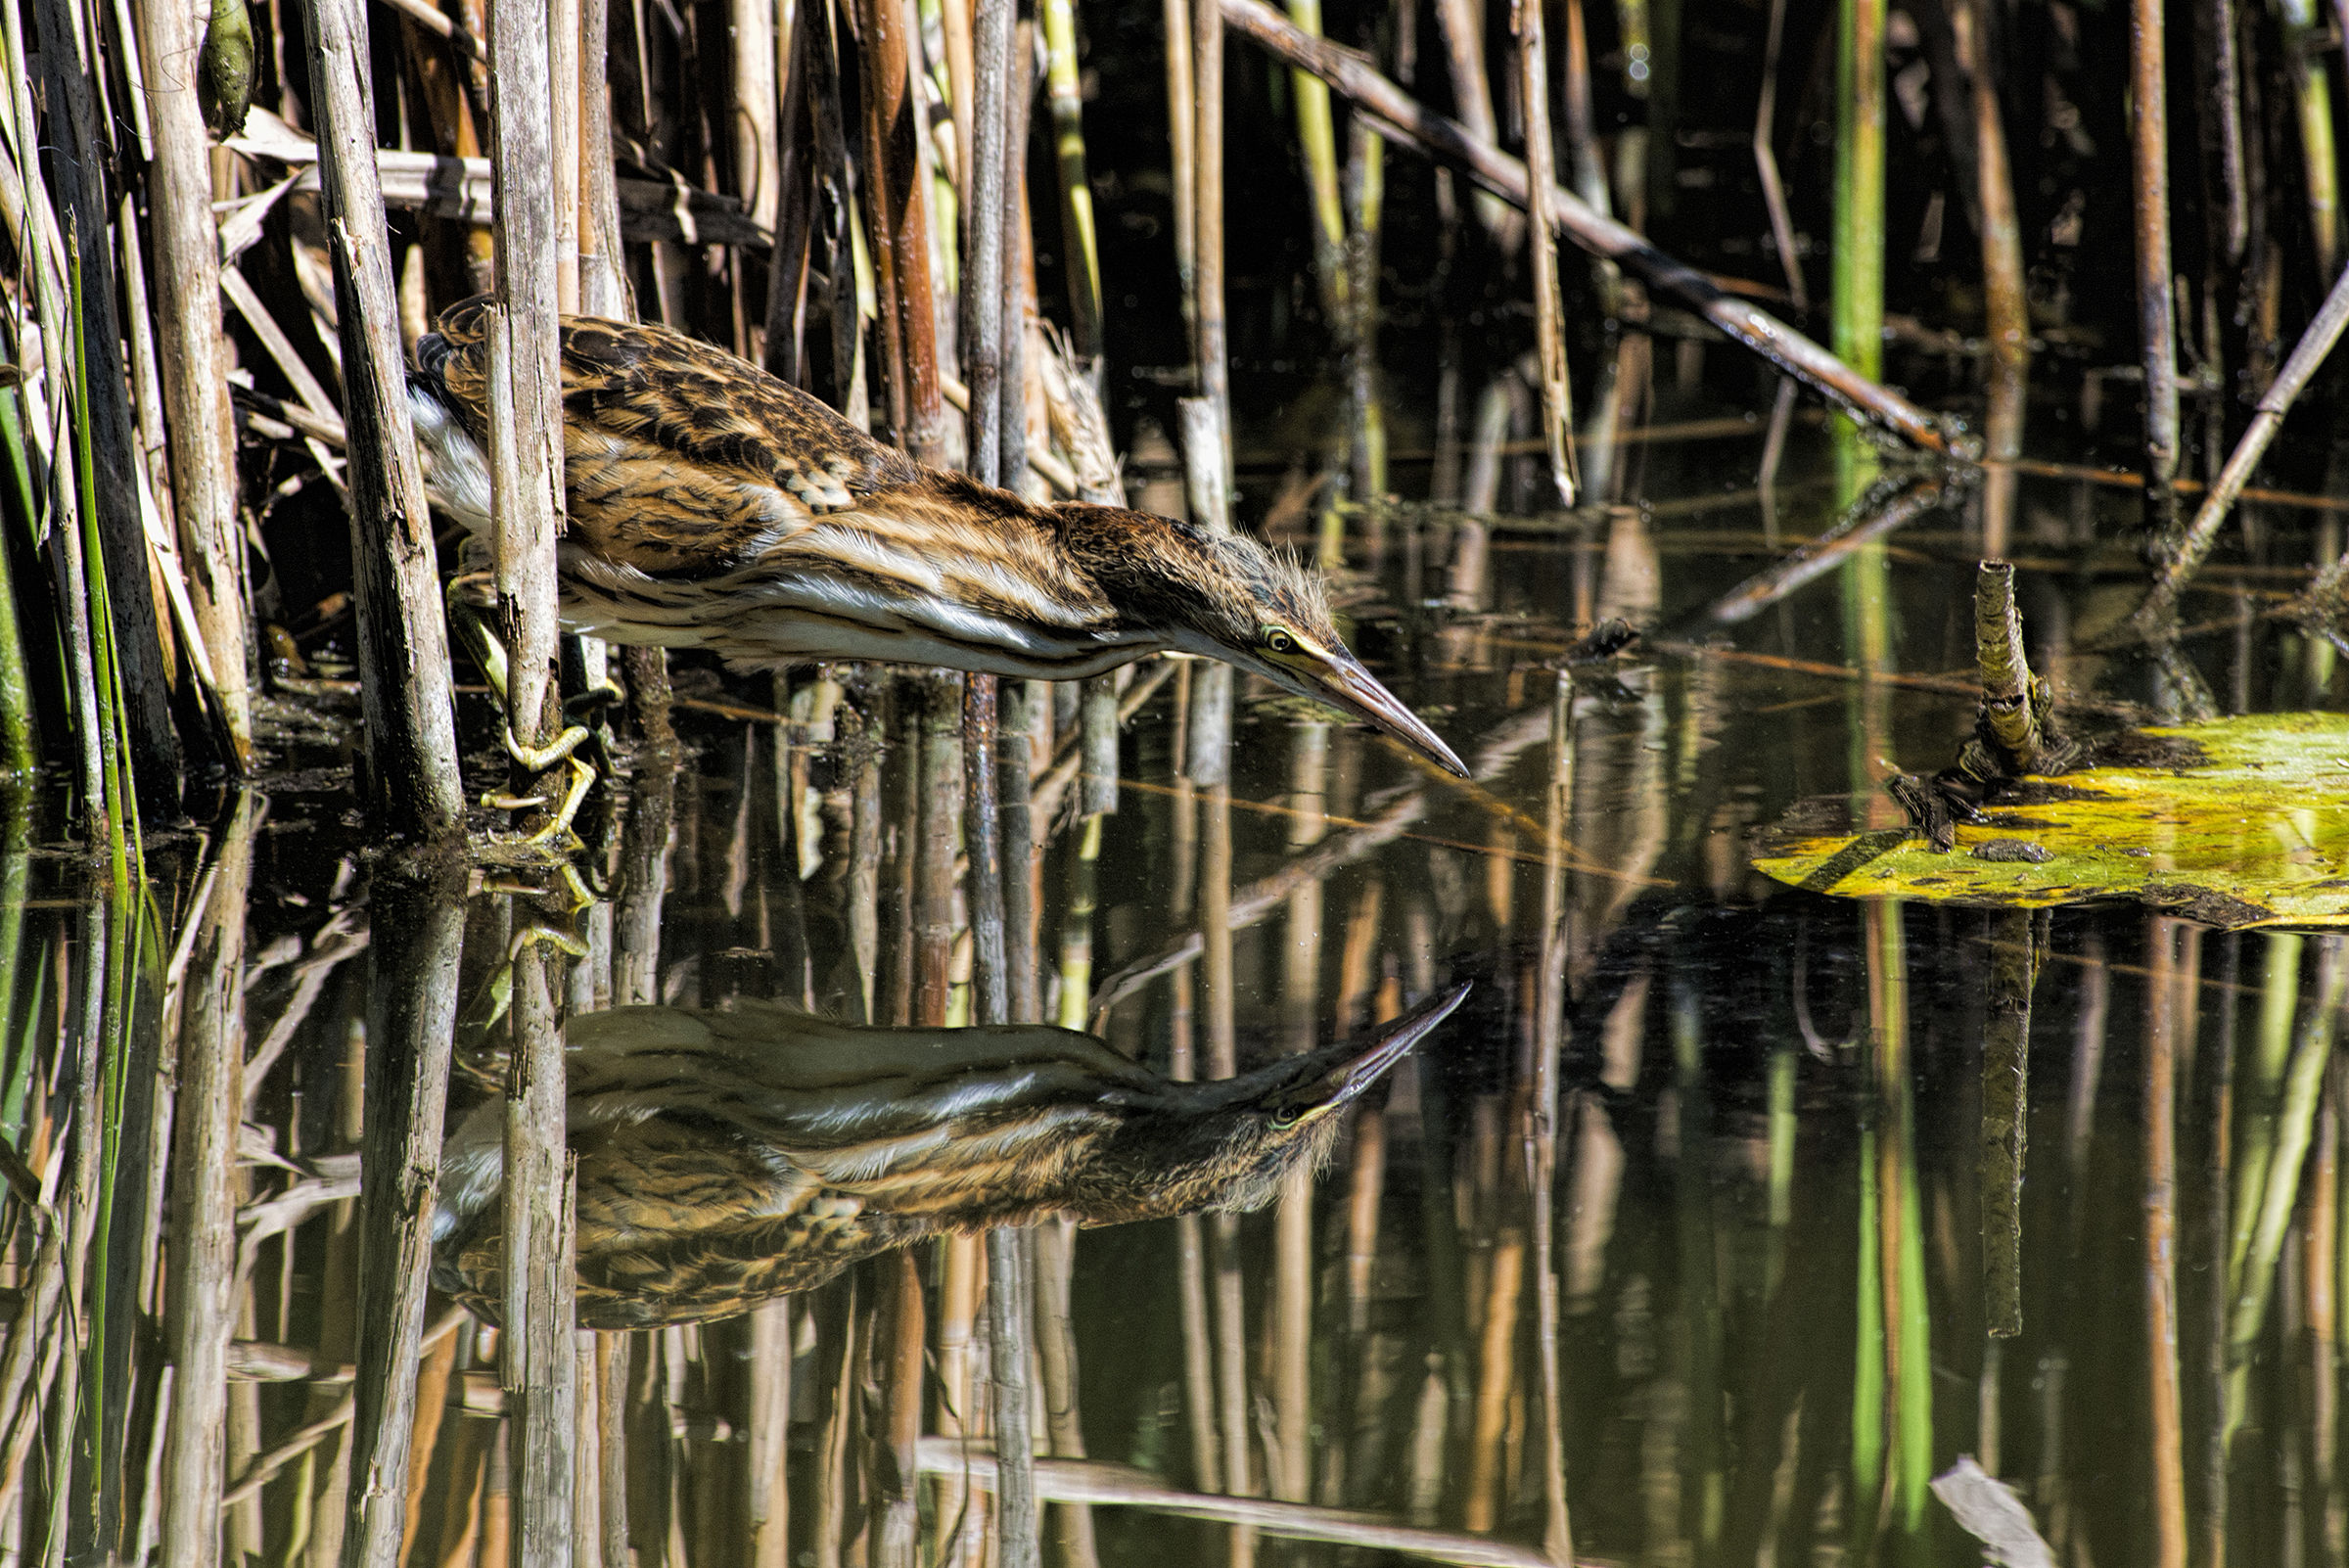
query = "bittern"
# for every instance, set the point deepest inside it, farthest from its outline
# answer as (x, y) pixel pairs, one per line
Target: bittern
(711, 505)
(724, 1158)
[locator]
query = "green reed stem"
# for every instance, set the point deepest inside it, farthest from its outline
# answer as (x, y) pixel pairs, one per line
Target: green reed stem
(2311, 101)
(1084, 258)
(121, 811)
(17, 749)
(1316, 137)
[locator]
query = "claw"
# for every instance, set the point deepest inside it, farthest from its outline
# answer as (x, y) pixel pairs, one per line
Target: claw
(582, 779)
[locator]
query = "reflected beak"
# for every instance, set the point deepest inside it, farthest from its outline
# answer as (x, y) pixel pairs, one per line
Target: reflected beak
(1343, 684)
(1365, 1066)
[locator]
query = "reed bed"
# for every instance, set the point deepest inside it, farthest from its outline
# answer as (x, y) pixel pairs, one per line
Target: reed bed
(223, 234)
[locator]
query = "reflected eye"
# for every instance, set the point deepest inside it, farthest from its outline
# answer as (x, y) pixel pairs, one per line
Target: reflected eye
(1277, 640)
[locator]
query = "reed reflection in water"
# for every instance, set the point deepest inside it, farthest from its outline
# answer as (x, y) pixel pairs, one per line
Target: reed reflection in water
(1818, 1222)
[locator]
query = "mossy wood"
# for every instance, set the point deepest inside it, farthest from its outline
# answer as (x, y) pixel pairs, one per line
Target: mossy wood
(2239, 823)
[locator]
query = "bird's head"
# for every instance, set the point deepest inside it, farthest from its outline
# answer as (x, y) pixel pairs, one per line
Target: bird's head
(1228, 597)
(1228, 1142)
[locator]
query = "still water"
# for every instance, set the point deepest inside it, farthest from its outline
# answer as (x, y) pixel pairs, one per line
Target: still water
(1706, 1229)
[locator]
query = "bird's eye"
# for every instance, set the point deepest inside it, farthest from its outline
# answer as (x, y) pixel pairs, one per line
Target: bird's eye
(1282, 1120)
(1277, 640)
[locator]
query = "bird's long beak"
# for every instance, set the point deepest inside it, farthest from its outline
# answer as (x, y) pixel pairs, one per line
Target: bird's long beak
(1339, 679)
(1358, 1069)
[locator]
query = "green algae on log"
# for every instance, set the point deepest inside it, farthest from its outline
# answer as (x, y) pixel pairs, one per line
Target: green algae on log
(2236, 823)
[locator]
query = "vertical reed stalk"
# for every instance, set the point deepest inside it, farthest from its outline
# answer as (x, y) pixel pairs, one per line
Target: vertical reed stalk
(526, 378)
(412, 991)
(2168, 1474)
(84, 153)
(981, 825)
(403, 649)
(1079, 252)
(1542, 1154)
(1461, 22)
(1007, 1365)
(2156, 310)
(1209, 344)
(2305, 47)
(898, 205)
(1318, 142)
(1857, 287)
(1183, 145)
(540, 1364)
(982, 268)
(209, 1106)
(2006, 1083)
(1549, 323)
(2008, 321)
(195, 389)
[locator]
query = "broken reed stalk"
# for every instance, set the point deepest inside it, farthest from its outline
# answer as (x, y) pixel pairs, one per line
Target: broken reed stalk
(187, 312)
(2005, 1126)
(1408, 121)
(2158, 609)
(2156, 306)
(2014, 701)
(1549, 323)
(404, 694)
(418, 928)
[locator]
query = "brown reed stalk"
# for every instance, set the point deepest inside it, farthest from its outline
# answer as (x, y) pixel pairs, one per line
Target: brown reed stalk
(986, 208)
(1210, 348)
(2008, 324)
(899, 1340)
(1056, 1361)
(2166, 1469)
(84, 151)
(418, 925)
(540, 1363)
(403, 648)
(1549, 324)
(208, 1112)
(898, 208)
(524, 385)
(1541, 1153)
(2156, 306)
(1412, 124)
(187, 319)
(767, 1507)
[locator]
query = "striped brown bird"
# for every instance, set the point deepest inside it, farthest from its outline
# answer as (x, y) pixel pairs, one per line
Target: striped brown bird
(713, 506)
(728, 1156)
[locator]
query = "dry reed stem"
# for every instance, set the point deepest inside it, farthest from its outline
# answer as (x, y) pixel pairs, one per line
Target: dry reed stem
(403, 645)
(1409, 122)
(1549, 324)
(207, 1113)
(187, 317)
(2156, 309)
(540, 1364)
(1097, 1481)
(413, 1002)
(2167, 1456)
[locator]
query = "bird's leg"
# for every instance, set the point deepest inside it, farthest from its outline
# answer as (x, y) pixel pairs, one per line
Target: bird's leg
(471, 596)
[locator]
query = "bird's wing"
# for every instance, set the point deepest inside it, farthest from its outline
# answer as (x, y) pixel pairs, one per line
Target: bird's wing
(679, 456)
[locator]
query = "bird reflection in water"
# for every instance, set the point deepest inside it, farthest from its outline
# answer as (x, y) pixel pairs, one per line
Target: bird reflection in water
(728, 1156)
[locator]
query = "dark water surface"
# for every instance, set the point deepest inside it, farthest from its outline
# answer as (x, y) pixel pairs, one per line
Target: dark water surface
(1780, 1223)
